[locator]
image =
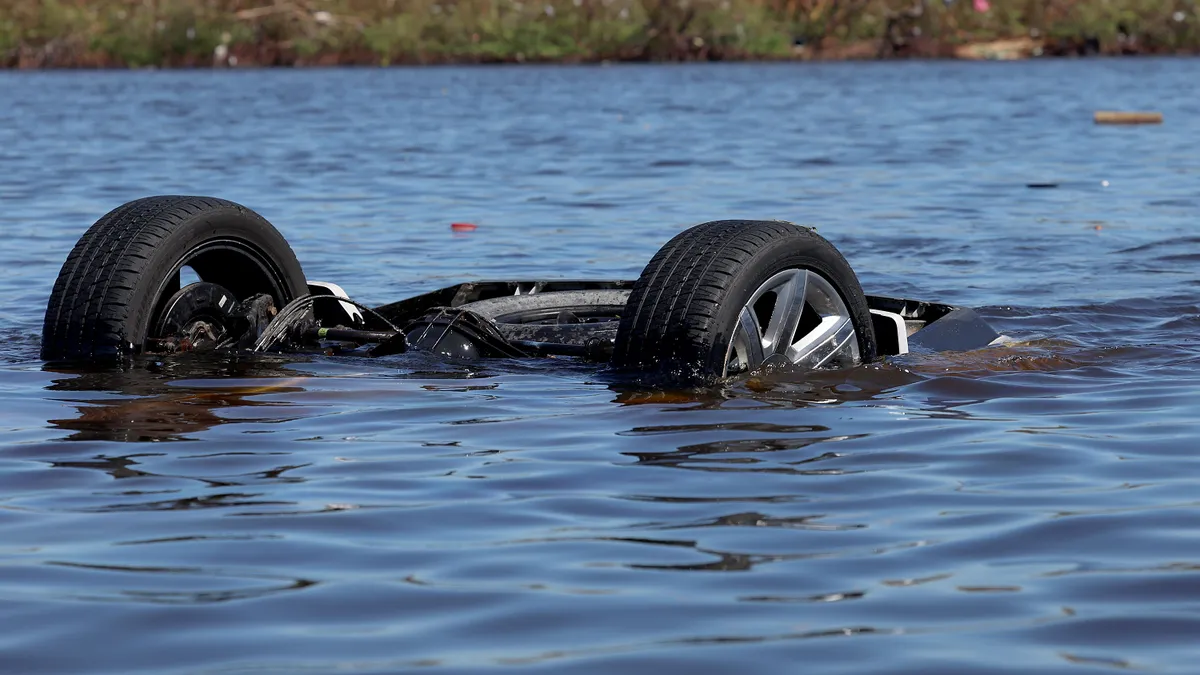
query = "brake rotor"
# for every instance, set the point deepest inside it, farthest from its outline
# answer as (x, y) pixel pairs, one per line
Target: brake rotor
(198, 316)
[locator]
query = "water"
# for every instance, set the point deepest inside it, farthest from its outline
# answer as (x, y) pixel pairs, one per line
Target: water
(1024, 509)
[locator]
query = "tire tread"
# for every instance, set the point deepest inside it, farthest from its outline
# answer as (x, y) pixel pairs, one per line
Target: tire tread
(89, 303)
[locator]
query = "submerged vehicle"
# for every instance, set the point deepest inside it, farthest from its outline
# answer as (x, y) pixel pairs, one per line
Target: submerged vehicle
(719, 300)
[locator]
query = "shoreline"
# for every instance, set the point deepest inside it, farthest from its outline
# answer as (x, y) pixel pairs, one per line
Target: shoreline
(109, 34)
(251, 60)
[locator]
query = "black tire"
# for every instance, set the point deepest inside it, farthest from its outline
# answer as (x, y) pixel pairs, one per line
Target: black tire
(124, 268)
(682, 312)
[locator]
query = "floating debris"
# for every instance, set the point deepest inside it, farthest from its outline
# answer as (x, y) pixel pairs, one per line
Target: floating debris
(463, 227)
(1117, 117)
(1000, 50)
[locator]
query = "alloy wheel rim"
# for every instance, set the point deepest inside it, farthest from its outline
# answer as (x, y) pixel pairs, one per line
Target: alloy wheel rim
(795, 317)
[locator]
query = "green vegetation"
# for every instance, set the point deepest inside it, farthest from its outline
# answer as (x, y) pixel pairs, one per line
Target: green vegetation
(138, 33)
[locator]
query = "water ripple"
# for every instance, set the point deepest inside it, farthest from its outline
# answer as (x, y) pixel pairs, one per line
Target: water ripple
(1028, 507)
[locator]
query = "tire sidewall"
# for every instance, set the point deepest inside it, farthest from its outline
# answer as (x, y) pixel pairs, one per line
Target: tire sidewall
(242, 226)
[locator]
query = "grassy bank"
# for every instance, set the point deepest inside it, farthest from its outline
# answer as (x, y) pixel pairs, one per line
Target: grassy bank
(138, 33)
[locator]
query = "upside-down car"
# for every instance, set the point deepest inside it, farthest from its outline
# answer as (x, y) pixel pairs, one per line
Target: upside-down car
(719, 300)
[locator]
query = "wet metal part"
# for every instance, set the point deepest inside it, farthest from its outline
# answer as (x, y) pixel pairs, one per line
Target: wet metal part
(460, 333)
(795, 317)
(202, 302)
(514, 319)
(197, 317)
(298, 323)
(203, 316)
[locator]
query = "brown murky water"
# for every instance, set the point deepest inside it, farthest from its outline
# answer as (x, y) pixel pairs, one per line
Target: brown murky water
(1024, 508)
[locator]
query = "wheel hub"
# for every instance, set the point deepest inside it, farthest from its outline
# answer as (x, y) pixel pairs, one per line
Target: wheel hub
(198, 316)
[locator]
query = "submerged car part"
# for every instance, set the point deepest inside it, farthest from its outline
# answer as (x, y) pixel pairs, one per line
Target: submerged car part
(303, 321)
(805, 323)
(460, 333)
(721, 299)
(733, 296)
(116, 283)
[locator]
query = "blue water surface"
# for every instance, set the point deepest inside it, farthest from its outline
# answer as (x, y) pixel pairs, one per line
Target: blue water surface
(1026, 508)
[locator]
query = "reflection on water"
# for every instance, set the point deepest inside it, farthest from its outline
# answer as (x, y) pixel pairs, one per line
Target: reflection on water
(1024, 508)
(255, 588)
(149, 406)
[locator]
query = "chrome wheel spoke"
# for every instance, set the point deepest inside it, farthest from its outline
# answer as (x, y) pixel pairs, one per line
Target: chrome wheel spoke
(833, 336)
(750, 334)
(789, 305)
(745, 350)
